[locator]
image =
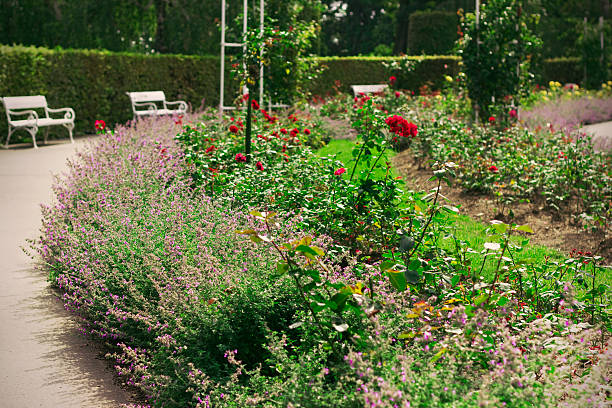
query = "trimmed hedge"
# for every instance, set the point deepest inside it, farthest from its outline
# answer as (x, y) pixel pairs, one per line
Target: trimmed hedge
(564, 70)
(429, 70)
(421, 26)
(94, 82)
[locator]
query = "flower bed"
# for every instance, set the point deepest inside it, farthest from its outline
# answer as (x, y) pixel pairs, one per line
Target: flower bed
(203, 305)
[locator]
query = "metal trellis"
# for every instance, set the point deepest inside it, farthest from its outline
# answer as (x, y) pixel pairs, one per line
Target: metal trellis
(224, 44)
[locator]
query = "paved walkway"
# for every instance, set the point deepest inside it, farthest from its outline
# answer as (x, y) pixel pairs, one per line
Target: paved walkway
(44, 362)
(602, 135)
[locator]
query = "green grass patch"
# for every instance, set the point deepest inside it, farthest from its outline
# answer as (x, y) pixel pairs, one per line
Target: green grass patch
(464, 227)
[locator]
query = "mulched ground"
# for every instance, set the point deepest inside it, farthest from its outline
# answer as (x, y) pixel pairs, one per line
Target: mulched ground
(552, 229)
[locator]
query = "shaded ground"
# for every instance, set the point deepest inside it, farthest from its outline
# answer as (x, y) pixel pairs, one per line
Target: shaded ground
(45, 361)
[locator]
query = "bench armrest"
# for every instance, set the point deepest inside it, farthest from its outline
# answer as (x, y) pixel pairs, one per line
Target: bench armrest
(68, 112)
(182, 104)
(32, 114)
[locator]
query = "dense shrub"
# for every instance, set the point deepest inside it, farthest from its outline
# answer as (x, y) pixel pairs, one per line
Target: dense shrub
(423, 23)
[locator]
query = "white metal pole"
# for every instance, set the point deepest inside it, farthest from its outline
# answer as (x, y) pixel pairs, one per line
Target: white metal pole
(222, 85)
(476, 113)
(261, 66)
(245, 8)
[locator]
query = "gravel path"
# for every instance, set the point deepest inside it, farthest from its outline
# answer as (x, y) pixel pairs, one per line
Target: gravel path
(44, 361)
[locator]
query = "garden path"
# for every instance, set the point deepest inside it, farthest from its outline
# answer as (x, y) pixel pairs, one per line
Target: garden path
(44, 361)
(602, 135)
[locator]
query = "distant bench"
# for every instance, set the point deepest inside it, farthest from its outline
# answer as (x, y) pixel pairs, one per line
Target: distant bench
(153, 103)
(366, 89)
(20, 106)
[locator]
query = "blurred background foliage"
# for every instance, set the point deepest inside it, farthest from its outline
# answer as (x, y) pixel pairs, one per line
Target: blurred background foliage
(356, 27)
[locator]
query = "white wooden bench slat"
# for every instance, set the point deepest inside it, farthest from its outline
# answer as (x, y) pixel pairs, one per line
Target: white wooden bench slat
(25, 102)
(22, 107)
(154, 103)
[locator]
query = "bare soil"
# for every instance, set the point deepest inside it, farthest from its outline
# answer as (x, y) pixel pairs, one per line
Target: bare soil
(552, 229)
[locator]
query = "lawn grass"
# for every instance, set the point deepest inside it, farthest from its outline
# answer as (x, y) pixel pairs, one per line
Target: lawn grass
(464, 227)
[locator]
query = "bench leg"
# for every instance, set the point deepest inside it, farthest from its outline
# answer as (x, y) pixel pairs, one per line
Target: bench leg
(11, 130)
(70, 127)
(46, 135)
(33, 131)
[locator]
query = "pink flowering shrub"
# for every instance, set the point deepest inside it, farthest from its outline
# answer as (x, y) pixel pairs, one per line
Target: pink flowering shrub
(155, 272)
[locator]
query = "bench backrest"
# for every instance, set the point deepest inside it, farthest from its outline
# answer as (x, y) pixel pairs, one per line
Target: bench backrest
(149, 96)
(24, 102)
(366, 89)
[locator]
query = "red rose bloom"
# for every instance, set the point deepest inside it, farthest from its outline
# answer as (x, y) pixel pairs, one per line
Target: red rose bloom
(255, 104)
(513, 113)
(401, 126)
(210, 149)
(240, 157)
(493, 169)
(339, 171)
(100, 125)
(259, 166)
(397, 94)
(392, 80)
(283, 131)
(492, 120)
(306, 131)
(233, 129)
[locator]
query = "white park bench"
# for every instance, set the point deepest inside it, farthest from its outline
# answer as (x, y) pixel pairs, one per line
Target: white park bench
(366, 89)
(24, 107)
(153, 103)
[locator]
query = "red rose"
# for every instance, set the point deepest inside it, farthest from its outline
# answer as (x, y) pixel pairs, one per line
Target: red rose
(401, 126)
(210, 149)
(283, 131)
(493, 169)
(392, 80)
(255, 104)
(339, 171)
(240, 157)
(512, 113)
(397, 94)
(492, 120)
(100, 125)
(306, 131)
(233, 129)
(259, 166)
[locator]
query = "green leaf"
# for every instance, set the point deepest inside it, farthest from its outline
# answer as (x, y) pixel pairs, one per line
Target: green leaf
(282, 267)
(438, 355)
(397, 279)
(525, 228)
(307, 250)
(412, 276)
(388, 264)
(499, 226)
(502, 301)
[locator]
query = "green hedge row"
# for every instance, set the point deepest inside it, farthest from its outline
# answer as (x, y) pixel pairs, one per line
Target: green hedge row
(428, 70)
(94, 82)
(564, 70)
(421, 26)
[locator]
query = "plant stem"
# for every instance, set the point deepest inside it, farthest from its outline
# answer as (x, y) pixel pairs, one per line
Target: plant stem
(433, 212)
